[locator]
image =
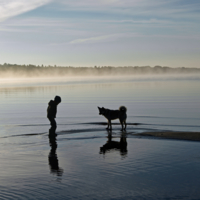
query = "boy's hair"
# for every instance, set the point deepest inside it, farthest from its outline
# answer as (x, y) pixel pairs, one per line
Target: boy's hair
(57, 99)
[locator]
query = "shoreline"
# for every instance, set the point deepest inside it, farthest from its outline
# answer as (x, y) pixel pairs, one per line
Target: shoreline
(189, 136)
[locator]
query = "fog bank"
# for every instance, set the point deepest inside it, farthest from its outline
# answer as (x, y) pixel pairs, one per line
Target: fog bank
(19, 71)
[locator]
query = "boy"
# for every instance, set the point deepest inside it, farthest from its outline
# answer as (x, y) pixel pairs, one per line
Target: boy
(51, 112)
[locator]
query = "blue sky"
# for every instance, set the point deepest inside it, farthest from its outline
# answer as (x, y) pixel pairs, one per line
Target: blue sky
(100, 32)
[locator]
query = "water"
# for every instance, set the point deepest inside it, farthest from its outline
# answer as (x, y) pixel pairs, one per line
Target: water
(71, 166)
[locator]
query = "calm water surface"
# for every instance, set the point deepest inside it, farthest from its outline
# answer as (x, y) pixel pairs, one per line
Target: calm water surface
(72, 166)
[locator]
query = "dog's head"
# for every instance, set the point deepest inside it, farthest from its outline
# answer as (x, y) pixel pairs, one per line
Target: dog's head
(101, 110)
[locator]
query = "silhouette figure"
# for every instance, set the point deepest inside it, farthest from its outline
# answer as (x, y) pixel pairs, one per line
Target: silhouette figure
(121, 145)
(114, 114)
(51, 113)
(53, 159)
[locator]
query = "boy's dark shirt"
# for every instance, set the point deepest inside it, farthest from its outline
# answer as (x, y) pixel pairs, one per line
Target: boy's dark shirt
(52, 109)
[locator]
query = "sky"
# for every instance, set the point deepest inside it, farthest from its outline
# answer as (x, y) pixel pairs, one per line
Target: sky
(100, 32)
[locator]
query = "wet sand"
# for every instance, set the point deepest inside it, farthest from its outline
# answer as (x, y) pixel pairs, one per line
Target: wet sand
(191, 136)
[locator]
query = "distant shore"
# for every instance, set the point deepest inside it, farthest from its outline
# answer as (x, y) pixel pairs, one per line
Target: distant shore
(191, 136)
(14, 70)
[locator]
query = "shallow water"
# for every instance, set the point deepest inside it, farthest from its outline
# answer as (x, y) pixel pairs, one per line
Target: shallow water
(72, 166)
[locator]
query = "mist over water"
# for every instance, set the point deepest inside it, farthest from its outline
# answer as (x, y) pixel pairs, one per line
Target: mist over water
(33, 71)
(159, 101)
(72, 165)
(71, 79)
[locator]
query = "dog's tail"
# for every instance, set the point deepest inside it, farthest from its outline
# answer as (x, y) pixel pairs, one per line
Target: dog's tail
(122, 108)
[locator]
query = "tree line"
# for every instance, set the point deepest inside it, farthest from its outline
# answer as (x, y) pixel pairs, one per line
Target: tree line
(7, 70)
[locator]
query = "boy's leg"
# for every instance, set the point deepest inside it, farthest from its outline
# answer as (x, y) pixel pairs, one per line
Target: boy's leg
(53, 124)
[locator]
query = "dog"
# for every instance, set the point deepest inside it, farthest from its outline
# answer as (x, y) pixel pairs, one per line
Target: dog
(114, 114)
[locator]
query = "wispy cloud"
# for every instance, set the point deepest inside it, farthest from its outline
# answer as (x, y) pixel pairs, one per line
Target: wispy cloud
(94, 39)
(142, 8)
(111, 30)
(10, 8)
(111, 3)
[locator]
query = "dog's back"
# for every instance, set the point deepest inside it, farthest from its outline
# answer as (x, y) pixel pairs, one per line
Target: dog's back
(113, 114)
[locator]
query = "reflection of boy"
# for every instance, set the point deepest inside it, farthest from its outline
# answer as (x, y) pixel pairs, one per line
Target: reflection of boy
(52, 110)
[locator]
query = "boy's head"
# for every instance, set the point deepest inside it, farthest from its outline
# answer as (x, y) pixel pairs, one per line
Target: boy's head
(57, 99)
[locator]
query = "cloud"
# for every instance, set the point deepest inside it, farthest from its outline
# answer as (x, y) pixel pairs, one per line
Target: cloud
(113, 3)
(87, 4)
(93, 39)
(96, 39)
(141, 8)
(10, 8)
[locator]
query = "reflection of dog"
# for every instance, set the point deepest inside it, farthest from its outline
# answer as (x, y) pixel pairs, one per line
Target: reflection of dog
(121, 145)
(114, 114)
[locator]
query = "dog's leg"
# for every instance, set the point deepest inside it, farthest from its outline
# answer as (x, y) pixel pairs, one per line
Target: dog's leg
(121, 122)
(110, 124)
(125, 124)
(109, 127)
